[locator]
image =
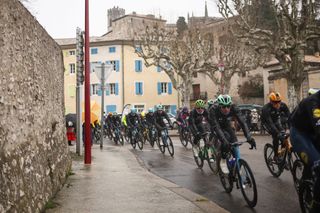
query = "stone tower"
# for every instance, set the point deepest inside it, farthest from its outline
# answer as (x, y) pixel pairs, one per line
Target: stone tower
(113, 14)
(206, 11)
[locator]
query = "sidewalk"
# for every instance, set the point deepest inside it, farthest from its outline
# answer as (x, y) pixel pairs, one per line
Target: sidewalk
(116, 182)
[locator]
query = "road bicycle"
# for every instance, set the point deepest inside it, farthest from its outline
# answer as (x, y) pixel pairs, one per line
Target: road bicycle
(205, 150)
(152, 135)
(240, 173)
(117, 137)
(136, 138)
(164, 141)
(185, 134)
(285, 157)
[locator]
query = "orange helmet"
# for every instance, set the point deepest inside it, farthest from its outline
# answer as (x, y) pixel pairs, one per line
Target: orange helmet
(275, 97)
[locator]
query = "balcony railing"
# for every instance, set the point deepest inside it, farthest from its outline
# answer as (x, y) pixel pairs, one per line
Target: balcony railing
(201, 95)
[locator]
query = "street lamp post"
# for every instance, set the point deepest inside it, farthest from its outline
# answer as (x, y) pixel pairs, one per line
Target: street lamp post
(102, 75)
(221, 70)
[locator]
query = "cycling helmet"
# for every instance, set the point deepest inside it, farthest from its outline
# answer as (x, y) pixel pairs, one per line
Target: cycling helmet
(185, 109)
(133, 110)
(110, 113)
(143, 114)
(159, 107)
(150, 110)
(210, 102)
(199, 103)
(275, 97)
(115, 113)
(224, 100)
(312, 91)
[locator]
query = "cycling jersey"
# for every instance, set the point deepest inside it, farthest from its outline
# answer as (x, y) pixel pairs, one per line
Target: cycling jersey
(221, 123)
(150, 118)
(116, 120)
(159, 115)
(306, 117)
(196, 119)
(132, 119)
(270, 118)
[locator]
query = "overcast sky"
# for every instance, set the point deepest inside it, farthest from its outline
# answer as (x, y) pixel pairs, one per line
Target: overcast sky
(61, 17)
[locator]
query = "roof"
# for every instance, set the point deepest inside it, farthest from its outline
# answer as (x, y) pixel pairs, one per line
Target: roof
(151, 17)
(307, 59)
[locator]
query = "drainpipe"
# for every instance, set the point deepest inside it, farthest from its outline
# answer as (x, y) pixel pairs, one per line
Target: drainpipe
(122, 68)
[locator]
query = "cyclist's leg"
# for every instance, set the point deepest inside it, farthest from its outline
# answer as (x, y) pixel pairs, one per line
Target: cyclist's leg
(303, 145)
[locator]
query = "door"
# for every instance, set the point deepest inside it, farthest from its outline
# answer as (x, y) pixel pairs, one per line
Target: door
(196, 91)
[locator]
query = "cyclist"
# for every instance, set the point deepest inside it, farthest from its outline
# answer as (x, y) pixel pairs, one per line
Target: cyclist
(197, 116)
(133, 121)
(305, 138)
(182, 116)
(150, 120)
(108, 123)
(271, 120)
(116, 120)
(220, 120)
(159, 117)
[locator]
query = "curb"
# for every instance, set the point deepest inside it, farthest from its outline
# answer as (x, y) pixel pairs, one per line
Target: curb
(200, 201)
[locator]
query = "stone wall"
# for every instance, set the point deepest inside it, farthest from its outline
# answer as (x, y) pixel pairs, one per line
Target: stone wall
(34, 157)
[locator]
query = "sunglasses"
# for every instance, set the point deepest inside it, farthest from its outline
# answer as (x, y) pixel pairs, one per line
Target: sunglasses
(226, 106)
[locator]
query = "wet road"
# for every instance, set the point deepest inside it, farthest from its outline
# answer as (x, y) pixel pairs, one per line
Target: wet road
(274, 194)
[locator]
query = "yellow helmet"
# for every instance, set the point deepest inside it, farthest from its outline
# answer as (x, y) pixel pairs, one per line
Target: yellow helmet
(275, 97)
(143, 114)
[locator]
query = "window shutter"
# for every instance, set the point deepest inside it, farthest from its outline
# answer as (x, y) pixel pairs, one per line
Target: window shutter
(158, 69)
(117, 88)
(107, 89)
(99, 90)
(141, 88)
(140, 66)
(170, 88)
(137, 88)
(159, 88)
(136, 66)
(117, 65)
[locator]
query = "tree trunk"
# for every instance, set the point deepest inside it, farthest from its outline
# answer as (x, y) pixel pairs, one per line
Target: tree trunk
(295, 78)
(226, 85)
(186, 86)
(293, 95)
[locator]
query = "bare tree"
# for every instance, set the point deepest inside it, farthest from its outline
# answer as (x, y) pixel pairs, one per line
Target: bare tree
(293, 24)
(179, 58)
(236, 59)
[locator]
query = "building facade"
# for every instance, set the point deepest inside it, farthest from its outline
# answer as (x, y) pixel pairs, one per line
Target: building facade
(130, 81)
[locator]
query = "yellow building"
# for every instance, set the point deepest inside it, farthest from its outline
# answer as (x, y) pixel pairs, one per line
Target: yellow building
(130, 82)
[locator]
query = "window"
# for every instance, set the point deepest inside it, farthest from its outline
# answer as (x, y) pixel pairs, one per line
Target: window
(72, 52)
(115, 65)
(139, 108)
(164, 87)
(138, 49)
(94, 89)
(112, 49)
(112, 88)
(139, 88)
(94, 51)
(158, 69)
(138, 66)
(72, 68)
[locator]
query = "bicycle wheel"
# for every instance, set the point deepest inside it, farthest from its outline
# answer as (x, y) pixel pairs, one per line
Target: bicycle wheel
(140, 141)
(212, 160)
(161, 146)
(126, 135)
(121, 140)
(198, 158)
(297, 172)
(133, 143)
(170, 146)
(247, 183)
(273, 167)
(306, 196)
(183, 137)
(152, 140)
(225, 179)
